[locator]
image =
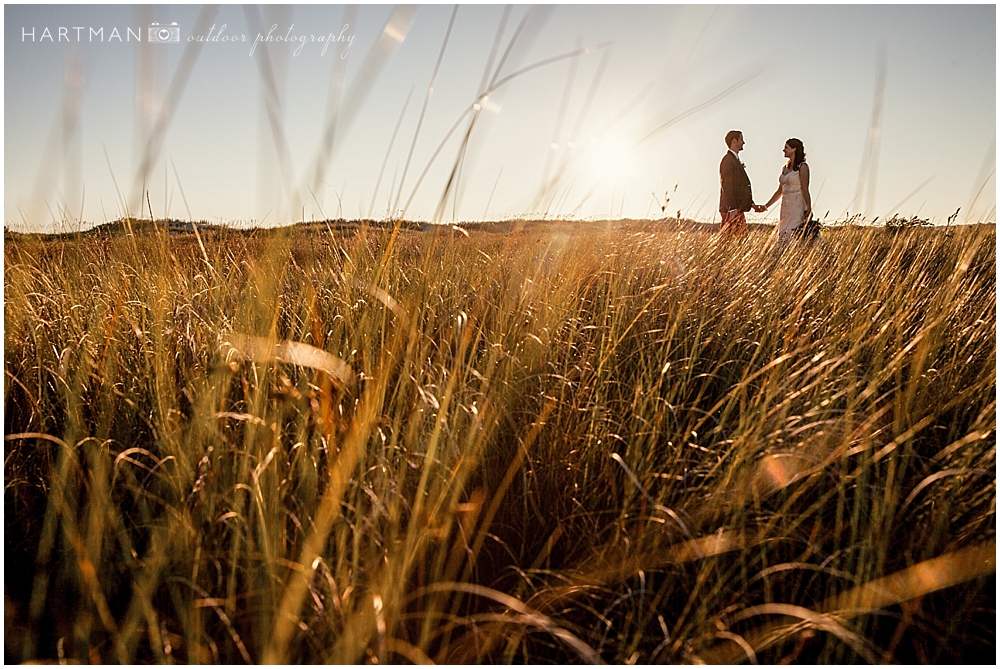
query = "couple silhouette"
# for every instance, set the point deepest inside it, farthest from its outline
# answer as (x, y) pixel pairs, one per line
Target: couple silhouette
(737, 197)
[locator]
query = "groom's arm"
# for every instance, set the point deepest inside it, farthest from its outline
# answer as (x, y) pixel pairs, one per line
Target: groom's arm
(736, 184)
(728, 172)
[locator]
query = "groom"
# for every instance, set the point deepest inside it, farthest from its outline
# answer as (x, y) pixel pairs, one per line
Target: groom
(736, 197)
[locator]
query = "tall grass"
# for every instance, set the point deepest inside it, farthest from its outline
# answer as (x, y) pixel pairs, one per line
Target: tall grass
(624, 443)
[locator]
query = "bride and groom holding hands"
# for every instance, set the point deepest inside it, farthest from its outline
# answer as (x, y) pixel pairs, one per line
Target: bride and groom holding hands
(737, 199)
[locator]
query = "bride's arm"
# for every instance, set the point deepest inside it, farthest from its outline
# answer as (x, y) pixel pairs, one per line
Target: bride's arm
(804, 180)
(775, 197)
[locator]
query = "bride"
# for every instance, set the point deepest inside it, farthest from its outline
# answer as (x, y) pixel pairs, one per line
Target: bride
(793, 191)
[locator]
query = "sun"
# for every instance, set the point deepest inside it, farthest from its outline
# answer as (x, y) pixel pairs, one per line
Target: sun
(611, 159)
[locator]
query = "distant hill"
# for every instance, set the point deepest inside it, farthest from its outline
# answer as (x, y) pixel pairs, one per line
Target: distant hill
(177, 227)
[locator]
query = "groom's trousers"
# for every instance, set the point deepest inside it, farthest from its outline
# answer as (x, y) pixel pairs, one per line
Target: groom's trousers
(734, 224)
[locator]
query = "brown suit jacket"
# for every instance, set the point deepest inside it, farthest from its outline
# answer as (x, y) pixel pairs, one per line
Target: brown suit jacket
(736, 193)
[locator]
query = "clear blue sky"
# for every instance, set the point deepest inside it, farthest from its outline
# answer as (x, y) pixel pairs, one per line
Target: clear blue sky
(78, 114)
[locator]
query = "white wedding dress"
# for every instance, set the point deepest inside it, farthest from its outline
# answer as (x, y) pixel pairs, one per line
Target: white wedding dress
(792, 205)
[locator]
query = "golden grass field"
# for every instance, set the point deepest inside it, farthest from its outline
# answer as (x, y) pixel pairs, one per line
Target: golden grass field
(629, 443)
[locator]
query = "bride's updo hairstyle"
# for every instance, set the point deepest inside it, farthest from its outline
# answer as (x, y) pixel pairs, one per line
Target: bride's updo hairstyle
(800, 153)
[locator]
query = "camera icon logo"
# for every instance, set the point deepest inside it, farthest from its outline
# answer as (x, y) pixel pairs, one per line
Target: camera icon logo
(164, 34)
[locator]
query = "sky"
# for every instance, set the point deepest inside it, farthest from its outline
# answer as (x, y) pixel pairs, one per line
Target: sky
(268, 115)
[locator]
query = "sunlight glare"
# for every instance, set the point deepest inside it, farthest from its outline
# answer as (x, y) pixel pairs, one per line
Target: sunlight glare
(611, 159)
